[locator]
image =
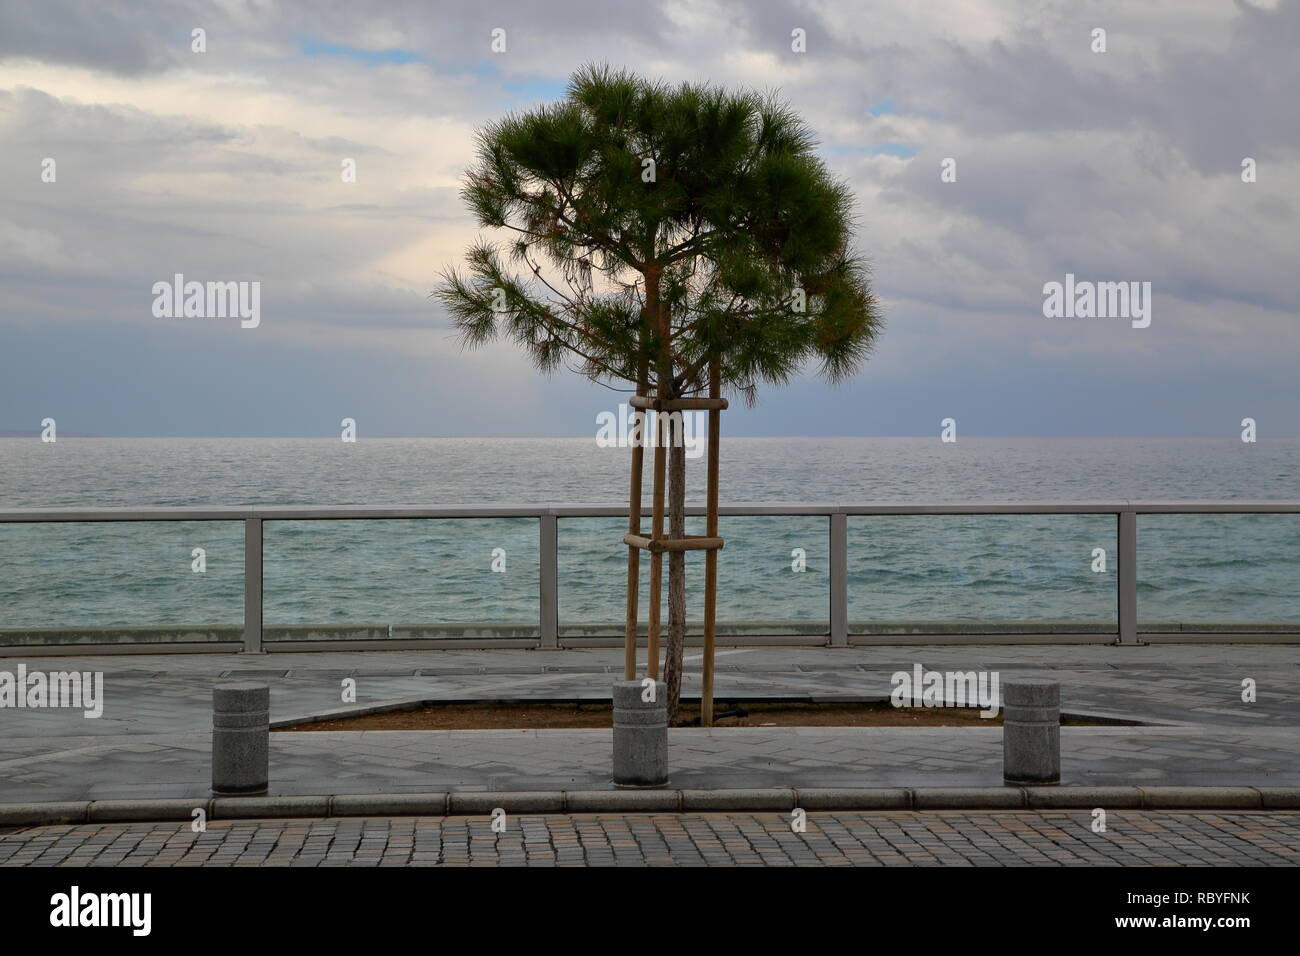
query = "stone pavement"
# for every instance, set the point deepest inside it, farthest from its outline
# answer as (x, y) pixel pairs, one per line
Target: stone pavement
(178, 765)
(153, 738)
(934, 838)
(1168, 684)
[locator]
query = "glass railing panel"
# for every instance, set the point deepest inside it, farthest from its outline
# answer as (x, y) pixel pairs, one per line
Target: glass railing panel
(1218, 573)
(982, 574)
(773, 576)
(121, 582)
(400, 578)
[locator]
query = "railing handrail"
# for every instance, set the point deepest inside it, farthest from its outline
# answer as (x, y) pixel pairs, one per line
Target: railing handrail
(548, 515)
(736, 509)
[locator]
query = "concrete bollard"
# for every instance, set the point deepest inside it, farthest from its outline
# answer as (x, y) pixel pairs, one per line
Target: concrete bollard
(1031, 731)
(241, 730)
(640, 735)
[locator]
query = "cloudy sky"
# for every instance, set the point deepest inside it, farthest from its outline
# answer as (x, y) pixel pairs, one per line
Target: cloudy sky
(225, 165)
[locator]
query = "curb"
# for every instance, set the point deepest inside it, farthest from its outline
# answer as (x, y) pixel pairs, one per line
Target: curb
(1104, 719)
(781, 800)
(403, 704)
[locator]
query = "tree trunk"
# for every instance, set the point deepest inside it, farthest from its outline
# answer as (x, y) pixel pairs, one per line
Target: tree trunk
(676, 577)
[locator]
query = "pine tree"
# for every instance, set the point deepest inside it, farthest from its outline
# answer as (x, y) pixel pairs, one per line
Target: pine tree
(653, 234)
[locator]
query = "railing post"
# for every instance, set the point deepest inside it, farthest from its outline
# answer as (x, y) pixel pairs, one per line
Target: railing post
(839, 583)
(1127, 597)
(252, 586)
(548, 580)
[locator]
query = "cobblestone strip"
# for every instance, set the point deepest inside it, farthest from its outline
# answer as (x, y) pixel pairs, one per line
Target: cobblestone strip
(971, 838)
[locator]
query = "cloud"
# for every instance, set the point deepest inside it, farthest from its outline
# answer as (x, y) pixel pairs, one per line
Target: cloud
(226, 165)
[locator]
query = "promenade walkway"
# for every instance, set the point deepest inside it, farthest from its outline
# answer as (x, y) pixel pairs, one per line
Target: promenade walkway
(153, 738)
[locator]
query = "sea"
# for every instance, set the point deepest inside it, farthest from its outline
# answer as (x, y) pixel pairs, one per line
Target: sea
(1232, 569)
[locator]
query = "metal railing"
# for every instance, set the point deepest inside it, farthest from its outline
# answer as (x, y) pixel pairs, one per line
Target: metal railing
(547, 516)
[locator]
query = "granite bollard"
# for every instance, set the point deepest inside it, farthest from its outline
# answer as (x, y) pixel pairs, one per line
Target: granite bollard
(640, 735)
(1031, 731)
(241, 729)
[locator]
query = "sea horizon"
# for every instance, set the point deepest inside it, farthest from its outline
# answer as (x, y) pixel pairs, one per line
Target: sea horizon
(1225, 436)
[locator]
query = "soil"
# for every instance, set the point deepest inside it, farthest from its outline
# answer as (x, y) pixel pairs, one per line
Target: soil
(554, 715)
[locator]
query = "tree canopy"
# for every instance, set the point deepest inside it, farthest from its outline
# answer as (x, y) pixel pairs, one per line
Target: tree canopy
(663, 227)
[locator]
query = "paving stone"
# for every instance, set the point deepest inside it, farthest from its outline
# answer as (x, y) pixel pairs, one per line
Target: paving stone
(843, 838)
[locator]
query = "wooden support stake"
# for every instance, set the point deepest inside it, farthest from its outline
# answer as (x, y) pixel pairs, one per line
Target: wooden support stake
(711, 557)
(656, 557)
(634, 554)
(692, 542)
(677, 404)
